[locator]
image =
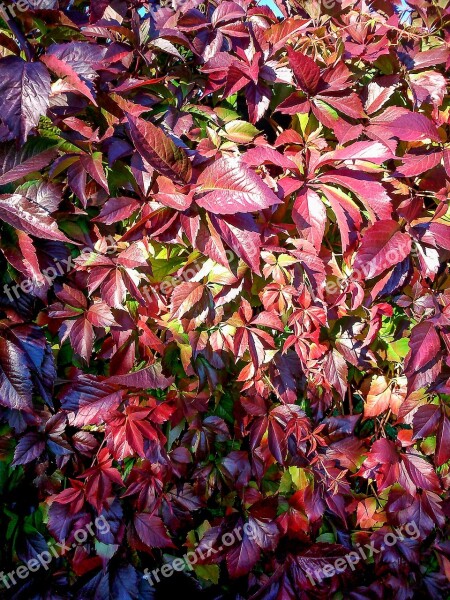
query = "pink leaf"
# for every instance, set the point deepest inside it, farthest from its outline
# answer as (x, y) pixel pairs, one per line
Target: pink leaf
(21, 213)
(309, 215)
(228, 187)
(370, 191)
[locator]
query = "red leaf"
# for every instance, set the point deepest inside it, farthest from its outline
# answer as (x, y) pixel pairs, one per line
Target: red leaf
(113, 288)
(416, 164)
(89, 401)
(117, 209)
(241, 234)
(378, 397)
(228, 187)
(373, 152)
(336, 371)
(403, 124)
(383, 246)
(94, 166)
(426, 420)
(82, 337)
(277, 441)
(306, 72)
(72, 297)
(320, 556)
(371, 193)
(100, 315)
(414, 126)
(424, 346)
(421, 473)
(443, 441)
(184, 297)
(441, 233)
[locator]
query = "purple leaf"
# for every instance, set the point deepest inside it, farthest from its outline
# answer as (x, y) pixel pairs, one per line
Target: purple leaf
(148, 378)
(151, 531)
(24, 96)
(30, 447)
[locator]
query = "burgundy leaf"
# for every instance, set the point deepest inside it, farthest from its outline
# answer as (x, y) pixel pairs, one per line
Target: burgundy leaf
(242, 557)
(159, 150)
(117, 209)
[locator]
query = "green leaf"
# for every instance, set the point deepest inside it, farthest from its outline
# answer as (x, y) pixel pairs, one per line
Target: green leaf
(397, 350)
(208, 572)
(328, 109)
(241, 132)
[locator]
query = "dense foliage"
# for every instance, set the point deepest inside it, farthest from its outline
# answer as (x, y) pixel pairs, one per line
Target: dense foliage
(225, 295)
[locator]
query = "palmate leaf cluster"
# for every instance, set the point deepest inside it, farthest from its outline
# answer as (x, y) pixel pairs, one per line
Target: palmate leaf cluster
(224, 299)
